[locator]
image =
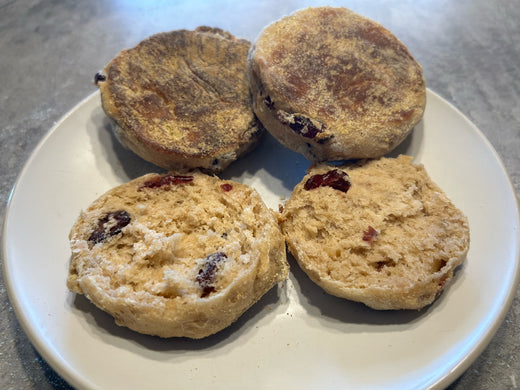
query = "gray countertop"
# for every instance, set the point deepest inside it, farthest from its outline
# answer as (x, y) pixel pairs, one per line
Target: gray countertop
(50, 50)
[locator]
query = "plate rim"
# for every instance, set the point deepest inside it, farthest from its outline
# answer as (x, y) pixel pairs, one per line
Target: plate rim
(70, 374)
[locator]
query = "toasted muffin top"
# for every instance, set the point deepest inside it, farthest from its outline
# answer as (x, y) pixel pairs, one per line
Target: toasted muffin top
(182, 92)
(344, 75)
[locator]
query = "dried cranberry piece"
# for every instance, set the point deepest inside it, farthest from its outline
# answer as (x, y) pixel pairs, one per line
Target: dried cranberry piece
(165, 180)
(370, 235)
(269, 103)
(206, 275)
(299, 124)
(336, 179)
(99, 77)
(304, 126)
(441, 284)
(110, 225)
(226, 187)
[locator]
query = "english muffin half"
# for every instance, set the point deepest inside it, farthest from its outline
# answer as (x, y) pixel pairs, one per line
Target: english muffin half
(181, 99)
(334, 85)
(176, 255)
(380, 232)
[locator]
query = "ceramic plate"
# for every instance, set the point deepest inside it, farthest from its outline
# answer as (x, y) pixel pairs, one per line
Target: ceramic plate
(296, 336)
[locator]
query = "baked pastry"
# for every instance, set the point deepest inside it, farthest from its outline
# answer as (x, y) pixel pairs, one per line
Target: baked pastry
(378, 232)
(181, 99)
(333, 85)
(177, 254)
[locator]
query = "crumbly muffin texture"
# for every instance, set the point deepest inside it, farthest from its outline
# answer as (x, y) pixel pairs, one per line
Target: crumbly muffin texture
(378, 231)
(176, 254)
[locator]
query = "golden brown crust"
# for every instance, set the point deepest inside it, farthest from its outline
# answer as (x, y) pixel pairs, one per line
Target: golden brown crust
(356, 83)
(181, 99)
(391, 241)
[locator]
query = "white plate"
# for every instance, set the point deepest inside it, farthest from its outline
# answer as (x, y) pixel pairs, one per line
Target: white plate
(297, 336)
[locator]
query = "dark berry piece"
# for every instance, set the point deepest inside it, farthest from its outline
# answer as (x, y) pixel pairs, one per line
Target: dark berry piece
(370, 235)
(300, 124)
(336, 179)
(110, 225)
(269, 103)
(207, 273)
(226, 187)
(166, 180)
(99, 77)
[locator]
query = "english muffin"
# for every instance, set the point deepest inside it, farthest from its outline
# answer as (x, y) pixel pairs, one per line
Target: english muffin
(181, 99)
(176, 255)
(380, 232)
(334, 85)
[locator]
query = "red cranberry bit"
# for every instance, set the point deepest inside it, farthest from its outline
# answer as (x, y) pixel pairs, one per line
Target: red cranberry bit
(206, 275)
(336, 179)
(99, 77)
(226, 187)
(166, 180)
(299, 124)
(441, 284)
(370, 235)
(110, 225)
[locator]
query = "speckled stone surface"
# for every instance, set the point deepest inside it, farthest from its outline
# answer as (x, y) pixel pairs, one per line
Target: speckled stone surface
(49, 51)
